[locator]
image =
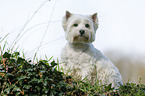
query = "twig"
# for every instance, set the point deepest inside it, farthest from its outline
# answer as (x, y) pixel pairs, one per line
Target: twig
(52, 41)
(36, 26)
(9, 81)
(45, 32)
(27, 22)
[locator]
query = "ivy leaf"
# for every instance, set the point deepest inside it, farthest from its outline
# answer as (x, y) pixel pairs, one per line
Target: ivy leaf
(53, 64)
(107, 88)
(20, 60)
(6, 55)
(16, 89)
(45, 83)
(38, 88)
(15, 54)
(27, 86)
(23, 77)
(7, 90)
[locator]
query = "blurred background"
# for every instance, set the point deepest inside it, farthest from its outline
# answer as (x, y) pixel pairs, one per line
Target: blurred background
(34, 26)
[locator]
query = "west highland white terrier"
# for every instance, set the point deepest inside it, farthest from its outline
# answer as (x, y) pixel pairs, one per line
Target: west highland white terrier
(80, 57)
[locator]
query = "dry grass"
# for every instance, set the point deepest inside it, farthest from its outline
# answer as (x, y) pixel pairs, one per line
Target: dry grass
(131, 67)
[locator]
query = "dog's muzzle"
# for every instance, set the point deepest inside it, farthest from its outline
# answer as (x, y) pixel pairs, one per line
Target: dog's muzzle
(82, 32)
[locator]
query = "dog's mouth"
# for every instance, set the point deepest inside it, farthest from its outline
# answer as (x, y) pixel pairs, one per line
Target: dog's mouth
(80, 39)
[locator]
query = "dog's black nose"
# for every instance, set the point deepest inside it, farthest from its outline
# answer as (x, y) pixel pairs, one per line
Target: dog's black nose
(82, 32)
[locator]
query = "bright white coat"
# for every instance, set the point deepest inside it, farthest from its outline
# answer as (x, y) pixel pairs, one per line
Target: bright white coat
(83, 60)
(80, 57)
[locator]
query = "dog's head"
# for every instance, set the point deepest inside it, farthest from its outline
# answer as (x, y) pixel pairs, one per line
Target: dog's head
(80, 28)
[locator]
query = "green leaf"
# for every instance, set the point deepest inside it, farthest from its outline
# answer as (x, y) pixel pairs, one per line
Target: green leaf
(40, 80)
(27, 86)
(7, 90)
(15, 54)
(20, 60)
(38, 88)
(34, 80)
(16, 89)
(53, 63)
(107, 88)
(23, 77)
(45, 83)
(50, 58)
(6, 55)
(9, 74)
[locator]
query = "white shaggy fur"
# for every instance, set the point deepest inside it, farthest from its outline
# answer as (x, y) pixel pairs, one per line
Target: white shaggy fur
(80, 57)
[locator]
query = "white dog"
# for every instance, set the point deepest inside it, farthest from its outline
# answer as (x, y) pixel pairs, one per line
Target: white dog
(79, 55)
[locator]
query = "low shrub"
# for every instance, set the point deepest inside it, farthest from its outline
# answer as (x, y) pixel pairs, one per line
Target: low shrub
(19, 76)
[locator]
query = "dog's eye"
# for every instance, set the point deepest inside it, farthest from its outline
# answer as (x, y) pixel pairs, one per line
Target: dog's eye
(75, 24)
(87, 25)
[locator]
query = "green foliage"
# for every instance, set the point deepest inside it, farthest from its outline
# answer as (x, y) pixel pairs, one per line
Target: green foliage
(19, 76)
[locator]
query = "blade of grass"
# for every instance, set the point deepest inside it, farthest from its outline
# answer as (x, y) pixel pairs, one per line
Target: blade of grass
(4, 38)
(4, 45)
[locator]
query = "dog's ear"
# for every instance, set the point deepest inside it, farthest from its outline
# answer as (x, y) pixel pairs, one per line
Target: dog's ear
(68, 14)
(94, 18)
(65, 19)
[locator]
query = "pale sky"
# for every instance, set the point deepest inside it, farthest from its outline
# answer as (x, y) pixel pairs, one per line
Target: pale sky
(121, 24)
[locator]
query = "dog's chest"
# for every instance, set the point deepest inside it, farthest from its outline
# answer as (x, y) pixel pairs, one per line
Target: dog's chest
(79, 58)
(78, 62)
